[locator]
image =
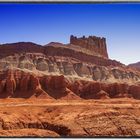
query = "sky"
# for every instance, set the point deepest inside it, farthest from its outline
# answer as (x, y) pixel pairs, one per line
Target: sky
(52, 22)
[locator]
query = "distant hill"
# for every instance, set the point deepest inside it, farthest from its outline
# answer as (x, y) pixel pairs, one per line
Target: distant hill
(135, 65)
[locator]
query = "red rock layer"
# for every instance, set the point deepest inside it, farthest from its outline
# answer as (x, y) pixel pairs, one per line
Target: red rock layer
(93, 43)
(91, 90)
(57, 88)
(53, 51)
(50, 50)
(18, 84)
(21, 47)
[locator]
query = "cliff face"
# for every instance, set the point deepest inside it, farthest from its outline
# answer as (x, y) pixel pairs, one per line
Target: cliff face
(95, 44)
(21, 84)
(56, 64)
(50, 71)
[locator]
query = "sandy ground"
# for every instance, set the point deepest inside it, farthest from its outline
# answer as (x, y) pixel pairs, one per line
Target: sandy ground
(69, 118)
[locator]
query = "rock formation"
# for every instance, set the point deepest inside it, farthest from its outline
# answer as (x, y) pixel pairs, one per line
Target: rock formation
(95, 44)
(17, 83)
(77, 70)
(67, 90)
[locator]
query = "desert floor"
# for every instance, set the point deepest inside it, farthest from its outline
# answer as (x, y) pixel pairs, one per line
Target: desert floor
(69, 118)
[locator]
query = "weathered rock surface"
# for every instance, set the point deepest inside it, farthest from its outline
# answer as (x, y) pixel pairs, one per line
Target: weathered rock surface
(48, 91)
(60, 71)
(17, 83)
(25, 132)
(68, 67)
(92, 43)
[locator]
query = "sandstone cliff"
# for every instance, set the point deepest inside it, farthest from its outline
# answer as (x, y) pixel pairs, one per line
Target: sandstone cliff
(80, 69)
(21, 84)
(95, 44)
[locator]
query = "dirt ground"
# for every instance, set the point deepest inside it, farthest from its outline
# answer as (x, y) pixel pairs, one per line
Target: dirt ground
(69, 118)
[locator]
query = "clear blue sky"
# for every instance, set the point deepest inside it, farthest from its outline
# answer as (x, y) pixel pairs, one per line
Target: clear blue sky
(43, 23)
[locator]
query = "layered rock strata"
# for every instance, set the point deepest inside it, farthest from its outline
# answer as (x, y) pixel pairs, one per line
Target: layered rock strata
(31, 70)
(20, 84)
(92, 43)
(68, 67)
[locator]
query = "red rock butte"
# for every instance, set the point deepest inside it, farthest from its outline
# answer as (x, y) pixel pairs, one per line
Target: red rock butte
(80, 69)
(94, 44)
(67, 90)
